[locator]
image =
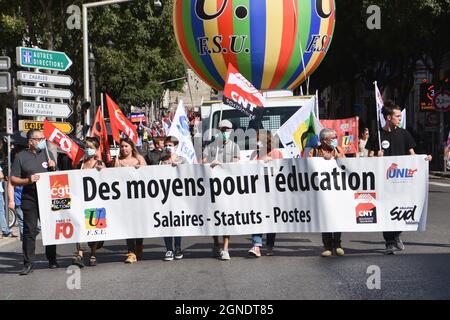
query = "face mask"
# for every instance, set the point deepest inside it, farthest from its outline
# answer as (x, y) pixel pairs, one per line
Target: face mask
(334, 143)
(226, 135)
(89, 152)
(41, 145)
(170, 149)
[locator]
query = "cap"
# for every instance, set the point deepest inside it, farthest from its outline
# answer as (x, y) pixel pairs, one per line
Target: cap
(225, 124)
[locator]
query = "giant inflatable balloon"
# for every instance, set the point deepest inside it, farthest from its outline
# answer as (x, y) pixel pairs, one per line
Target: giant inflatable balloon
(275, 44)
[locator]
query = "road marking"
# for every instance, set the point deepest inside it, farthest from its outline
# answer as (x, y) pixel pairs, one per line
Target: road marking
(439, 184)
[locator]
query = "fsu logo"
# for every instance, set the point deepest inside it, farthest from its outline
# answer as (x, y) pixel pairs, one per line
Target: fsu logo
(95, 221)
(60, 192)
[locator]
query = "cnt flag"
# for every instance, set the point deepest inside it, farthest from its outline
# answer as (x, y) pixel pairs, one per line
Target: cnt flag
(301, 131)
(120, 123)
(63, 142)
(99, 131)
(240, 94)
(180, 130)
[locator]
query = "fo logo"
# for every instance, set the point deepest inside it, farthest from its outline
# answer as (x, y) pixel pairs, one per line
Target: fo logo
(396, 173)
(95, 219)
(366, 211)
(64, 228)
(60, 192)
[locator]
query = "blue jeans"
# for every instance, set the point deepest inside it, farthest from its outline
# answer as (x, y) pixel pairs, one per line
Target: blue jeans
(3, 224)
(169, 243)
(257, 240)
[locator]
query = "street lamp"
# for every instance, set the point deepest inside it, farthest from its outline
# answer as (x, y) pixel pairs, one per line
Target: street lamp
(93, 107)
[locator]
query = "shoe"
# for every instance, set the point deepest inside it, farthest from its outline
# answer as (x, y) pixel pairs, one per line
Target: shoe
(327, 253)
(178, 254)
(26, 270)
(168, 256)
(131, 258)
(399, 244)
(78, 261)
(224, 255)
(269, 251)
(255, 252)
(340, 252)
(10, 235)
(216, 252)
(390, 249)
(139, 251)
(92, 261)
(53, 265)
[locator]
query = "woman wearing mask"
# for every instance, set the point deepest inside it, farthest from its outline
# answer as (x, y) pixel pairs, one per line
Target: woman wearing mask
(266, 151)
(328, 150)
(90, 161)
(129, 157)
(170, 157)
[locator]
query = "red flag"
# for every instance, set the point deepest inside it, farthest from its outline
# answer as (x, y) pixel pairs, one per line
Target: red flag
(119, 122)
(347, 132)
(240, 94)
(63, 142)
(98, 130)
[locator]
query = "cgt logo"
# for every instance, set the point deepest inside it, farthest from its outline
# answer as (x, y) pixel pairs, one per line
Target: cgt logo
(366, 211)
(95, 220)
(63, 228)
(394, 172)
(60, 192)
(404, 213)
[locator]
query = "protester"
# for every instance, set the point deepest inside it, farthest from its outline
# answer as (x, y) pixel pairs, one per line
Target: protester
(90, 161)
(6, 233)
(266, 151)
(129, 157)
(395, 141)
(170, 157)
(25, 172)
(362, 151)
(154, 156)
(328, 150)
(223, 150)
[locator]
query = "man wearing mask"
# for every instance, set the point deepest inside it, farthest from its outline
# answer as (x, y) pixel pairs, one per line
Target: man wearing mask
(153, 157)
(25, 172)
(223, 150)
(328, 150)
(395, 141)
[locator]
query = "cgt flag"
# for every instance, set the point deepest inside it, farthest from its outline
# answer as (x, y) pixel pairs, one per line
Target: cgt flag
(99, 131)
(240, 94)
(63, 142)
(119, 123)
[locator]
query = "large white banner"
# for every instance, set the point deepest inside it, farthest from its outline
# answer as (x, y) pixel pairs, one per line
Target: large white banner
(288, 195)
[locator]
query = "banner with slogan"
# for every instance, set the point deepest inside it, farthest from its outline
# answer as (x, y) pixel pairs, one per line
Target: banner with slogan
(286, 195)
(300, 132)
(240, 94)
(347, 132)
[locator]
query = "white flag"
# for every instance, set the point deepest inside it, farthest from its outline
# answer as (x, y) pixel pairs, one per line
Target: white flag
(403, 122)
(180, 130)
(380, 104)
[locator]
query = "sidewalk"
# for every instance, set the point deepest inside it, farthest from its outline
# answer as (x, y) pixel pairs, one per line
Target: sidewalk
(5, 241)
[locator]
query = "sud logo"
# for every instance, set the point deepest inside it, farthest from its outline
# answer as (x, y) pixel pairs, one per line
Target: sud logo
(95, 220)
(60, 192)
(404, 213)
(395, 173)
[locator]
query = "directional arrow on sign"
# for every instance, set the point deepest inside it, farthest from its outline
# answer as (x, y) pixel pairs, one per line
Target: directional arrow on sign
(42, 59)
(26, 125)
(44, 78)
(44, 92)
(47, 109)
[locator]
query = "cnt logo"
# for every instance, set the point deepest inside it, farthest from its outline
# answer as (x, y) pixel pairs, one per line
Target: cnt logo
(64, 228)
(60, 192)
(95, 219)
(396, 173)
(366, 211)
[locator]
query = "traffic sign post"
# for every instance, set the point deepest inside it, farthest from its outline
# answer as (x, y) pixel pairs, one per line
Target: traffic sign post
(44, 92)
(62, 80)
(5, 82)
(441, 100)
(42, 59)
(46, 109)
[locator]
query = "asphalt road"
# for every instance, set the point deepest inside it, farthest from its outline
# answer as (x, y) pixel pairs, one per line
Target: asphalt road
(295, 272)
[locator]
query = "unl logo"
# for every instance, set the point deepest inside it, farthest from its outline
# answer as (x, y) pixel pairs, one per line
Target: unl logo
(366, 211)
(60, 192)
(95, 218)
(394, 172)
(64, 229)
